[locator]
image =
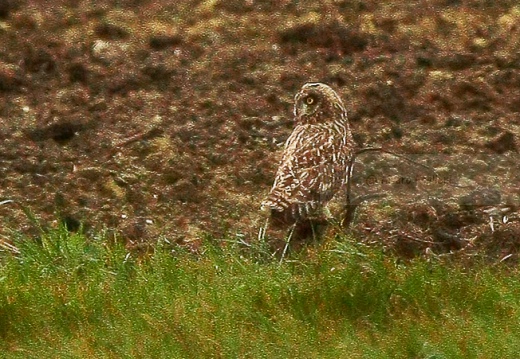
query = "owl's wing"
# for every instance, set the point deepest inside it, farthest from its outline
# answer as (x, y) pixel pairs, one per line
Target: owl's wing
(313, 168)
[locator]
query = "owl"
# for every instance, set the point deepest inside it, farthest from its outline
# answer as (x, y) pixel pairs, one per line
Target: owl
(315, 160)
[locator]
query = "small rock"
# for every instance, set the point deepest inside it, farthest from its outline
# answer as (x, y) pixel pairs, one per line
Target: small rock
(109, 52)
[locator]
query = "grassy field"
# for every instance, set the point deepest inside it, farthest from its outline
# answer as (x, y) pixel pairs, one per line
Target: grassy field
(164, 122)
(72, 297)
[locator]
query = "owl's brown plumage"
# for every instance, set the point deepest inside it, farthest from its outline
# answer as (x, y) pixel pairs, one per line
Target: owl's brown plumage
(315, 159)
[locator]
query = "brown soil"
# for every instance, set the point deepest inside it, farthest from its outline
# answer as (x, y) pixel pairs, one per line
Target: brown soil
(160, 118)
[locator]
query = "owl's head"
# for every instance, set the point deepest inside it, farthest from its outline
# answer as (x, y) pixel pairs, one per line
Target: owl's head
(317, 102)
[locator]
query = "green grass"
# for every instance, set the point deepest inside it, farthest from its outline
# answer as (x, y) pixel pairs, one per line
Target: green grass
(65, 296)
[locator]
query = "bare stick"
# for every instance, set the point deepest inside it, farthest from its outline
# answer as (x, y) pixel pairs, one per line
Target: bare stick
(151, 133)
(380, 149)
(288, 240)
(351, 204)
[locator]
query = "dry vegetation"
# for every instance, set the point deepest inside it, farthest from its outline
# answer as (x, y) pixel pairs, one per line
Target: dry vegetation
(159, 118)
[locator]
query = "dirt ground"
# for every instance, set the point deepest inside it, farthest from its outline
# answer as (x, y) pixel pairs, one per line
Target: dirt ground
(160, 118)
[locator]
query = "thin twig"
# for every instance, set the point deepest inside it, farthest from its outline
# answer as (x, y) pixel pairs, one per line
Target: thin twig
(381, 149)
(351, 205)
(287, 241)
(151, 133)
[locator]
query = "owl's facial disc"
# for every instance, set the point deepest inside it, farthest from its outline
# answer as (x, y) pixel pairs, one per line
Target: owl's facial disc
(309, 104)
(318, 103)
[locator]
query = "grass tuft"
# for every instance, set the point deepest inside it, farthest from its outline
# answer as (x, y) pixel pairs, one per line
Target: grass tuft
(71, 296)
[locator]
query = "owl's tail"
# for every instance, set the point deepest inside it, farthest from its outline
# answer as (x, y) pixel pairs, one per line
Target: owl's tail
(283, 214)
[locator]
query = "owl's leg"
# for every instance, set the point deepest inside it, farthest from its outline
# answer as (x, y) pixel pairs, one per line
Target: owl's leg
(287, 241)
(263, 230)
(314, 234)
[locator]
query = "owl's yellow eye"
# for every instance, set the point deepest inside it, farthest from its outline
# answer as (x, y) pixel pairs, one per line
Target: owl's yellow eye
(309, 100)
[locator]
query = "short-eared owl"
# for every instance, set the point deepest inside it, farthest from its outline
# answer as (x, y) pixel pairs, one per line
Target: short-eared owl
(315, 158)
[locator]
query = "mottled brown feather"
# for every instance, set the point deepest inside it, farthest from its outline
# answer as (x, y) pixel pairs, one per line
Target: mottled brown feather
(315, 158)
